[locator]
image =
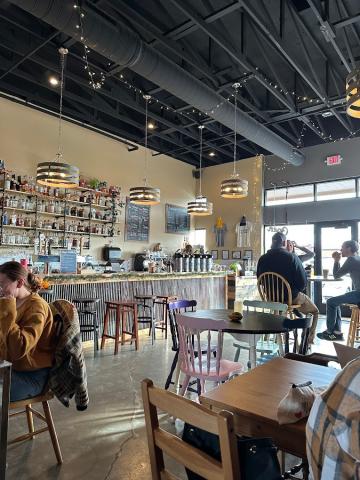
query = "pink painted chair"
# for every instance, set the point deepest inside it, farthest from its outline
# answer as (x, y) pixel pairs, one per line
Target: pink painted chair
(209, 366)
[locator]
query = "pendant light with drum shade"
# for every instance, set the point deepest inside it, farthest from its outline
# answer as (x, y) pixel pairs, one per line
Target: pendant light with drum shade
(57, 173)
(200, 206)
(145, 195)
(353, 93)
(234, 186)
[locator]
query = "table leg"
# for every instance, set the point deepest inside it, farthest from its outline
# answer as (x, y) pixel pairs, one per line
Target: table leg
(252, 351)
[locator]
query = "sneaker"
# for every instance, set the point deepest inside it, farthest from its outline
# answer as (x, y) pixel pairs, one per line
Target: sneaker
(331, 337)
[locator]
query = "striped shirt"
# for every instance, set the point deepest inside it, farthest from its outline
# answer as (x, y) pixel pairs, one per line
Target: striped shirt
(333, 428)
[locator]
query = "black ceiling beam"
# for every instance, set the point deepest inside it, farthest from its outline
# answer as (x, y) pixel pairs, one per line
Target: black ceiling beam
(347, 21)
(327, 29)
(28, 55)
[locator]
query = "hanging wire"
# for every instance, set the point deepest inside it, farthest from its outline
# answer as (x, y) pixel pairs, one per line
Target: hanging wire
(201, 127)
(236, 86)
(63, 52)
(146, 98)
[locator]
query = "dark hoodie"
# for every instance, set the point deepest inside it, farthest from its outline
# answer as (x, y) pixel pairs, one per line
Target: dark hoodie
(287, 264)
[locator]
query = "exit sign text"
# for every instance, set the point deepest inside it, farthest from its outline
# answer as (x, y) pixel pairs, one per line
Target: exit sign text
(333, 160)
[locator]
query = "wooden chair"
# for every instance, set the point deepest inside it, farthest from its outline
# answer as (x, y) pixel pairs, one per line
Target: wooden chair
(199, 359)
(45, 418)
(354, 329)
(161, 441)
(174, 308)
(273, 287)
(258, 305)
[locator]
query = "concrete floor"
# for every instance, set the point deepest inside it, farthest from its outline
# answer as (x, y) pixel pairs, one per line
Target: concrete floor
(107, 441)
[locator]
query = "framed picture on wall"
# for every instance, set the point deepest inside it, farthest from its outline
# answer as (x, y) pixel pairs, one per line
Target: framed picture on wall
(225, 254)
(214, 254)
(236, 255)
(248, 255)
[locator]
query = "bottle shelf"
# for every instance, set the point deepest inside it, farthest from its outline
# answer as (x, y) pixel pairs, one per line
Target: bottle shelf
(16, 209)
(19, 192)
(18, 227)
(51, 214)
(30, 245)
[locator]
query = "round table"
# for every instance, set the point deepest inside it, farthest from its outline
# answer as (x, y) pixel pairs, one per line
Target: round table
(318, 278)
(253, 323)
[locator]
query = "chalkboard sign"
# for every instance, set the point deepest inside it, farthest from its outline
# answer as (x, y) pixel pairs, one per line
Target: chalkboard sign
(177, 219)
(137, 222)
(68, 261)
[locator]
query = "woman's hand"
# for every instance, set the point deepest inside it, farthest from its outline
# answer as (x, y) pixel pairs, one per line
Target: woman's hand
(336, 256)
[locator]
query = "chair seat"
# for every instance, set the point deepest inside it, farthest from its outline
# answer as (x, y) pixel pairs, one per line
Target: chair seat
(29, 401)
(294, 305)
(227, 367)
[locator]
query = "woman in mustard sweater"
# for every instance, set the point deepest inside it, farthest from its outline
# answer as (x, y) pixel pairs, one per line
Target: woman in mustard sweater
(26, 331)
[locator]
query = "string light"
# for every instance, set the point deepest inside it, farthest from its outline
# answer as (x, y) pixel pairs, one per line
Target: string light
(96, 80)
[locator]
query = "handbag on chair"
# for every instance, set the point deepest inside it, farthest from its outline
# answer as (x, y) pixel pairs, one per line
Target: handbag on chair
(257, 456)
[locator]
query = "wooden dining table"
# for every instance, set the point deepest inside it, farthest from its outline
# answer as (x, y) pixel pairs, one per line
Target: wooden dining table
(253, 323)
(254, 397)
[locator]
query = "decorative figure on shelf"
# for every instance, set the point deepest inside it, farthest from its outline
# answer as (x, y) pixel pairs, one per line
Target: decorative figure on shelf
(243, 230)
(220, 230)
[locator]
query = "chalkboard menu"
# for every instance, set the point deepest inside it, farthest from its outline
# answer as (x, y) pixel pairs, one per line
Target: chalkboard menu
(68, 261)
(177, 219)
(137, 222)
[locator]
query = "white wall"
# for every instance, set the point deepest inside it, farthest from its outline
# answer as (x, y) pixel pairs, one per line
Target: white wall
(28, 137)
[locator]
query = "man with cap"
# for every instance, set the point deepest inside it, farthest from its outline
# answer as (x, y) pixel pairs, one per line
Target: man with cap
(289, 266)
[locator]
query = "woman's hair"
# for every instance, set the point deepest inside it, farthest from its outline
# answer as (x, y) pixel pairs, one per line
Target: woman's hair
(353, 245)
(15, 271)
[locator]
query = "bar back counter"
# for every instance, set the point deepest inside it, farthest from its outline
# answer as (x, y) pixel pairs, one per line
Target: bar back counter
(208, 289)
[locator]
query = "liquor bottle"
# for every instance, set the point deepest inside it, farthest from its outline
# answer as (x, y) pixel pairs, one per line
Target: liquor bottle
(7, 182)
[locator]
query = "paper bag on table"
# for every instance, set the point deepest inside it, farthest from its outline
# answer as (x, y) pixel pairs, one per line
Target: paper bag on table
(296, 404)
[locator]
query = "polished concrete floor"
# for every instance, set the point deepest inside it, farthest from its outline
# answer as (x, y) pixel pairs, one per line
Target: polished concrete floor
(107, 441)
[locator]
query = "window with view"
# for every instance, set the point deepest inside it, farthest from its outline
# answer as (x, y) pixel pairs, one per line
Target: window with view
(336, 190)
(198, 237)
(297, 194)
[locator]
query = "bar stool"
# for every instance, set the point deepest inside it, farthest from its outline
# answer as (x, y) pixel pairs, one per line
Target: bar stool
(146, 303)
(86, 308)
(354, 329)
(122, 311)
(163, 301)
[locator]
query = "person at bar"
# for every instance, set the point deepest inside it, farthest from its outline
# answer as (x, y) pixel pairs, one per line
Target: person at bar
(288, 265)
(26, 331)
(349, 250)
(305, 256)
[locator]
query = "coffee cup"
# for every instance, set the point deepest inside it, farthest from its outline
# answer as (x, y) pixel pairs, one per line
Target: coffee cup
(325, 273)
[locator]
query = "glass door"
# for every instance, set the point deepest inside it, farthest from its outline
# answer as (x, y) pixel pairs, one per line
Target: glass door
(328, 239)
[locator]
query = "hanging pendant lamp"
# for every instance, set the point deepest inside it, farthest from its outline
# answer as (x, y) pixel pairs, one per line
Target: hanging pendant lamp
(57, 173)
(145, 195)
(200, 206)
(353, 93)
(234, 186)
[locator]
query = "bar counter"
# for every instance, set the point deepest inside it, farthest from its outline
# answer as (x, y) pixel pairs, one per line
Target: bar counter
(208, 289)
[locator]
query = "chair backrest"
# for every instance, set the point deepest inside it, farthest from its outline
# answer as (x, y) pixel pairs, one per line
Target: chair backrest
(66, 319)
(273, 287)
(174, 308)
(200, 355)
(161, 441)
(271, 307)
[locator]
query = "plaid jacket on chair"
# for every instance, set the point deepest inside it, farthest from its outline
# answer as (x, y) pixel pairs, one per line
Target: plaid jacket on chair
(333, 428)
(68, 375)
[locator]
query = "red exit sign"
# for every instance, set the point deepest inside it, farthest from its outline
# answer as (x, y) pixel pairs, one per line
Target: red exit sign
(333, 160)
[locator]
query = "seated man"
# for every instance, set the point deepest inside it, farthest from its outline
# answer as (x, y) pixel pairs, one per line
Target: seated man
(349, 249)
(288, 265)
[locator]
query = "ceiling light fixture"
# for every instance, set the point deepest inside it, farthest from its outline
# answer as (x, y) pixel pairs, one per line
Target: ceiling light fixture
(200, 206)
(212, 154)
(234, 186)
(151, 125)
(145, 195)
(353, 93)
(56, 173)
(53, 81)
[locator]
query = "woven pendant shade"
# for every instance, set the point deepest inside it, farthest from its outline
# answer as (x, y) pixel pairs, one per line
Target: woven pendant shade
(200, 207)
(234, 187)
(145, 195)
(353, 93)
(57, 174)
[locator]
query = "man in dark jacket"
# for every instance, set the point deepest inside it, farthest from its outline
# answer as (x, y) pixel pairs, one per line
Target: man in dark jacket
(288, 265)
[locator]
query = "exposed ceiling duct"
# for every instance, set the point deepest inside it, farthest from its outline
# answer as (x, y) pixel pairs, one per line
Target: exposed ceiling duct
(124, 47)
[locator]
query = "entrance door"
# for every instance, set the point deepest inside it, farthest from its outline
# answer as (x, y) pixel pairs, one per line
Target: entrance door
(328, 239)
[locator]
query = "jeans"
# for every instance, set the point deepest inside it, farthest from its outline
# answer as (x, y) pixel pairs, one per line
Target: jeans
(333, 312)
(28, 384)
